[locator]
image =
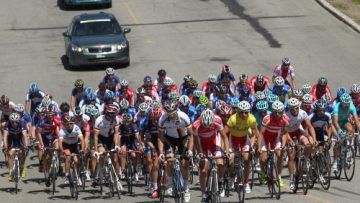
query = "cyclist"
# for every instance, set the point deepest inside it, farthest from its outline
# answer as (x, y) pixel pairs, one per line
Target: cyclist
(167, 87)
(151, 130)
(125, 108)
(243, 131)
(101, 92)
(297, 93)
(19, 109)
(6, 108)
(126, 93)
(48, 101)
(222, 94)
(262, 109)
(69, 136)
(111, 80)
(33, 98)
(206, 130)
(90, 100)
(321, 88)
(174, 96)
(297, 133)
(343, 110)
(160, 81)
(243, 82)
(141, 97)
(93, 113)
(195, 98)
(15, 136)
(259, 83)
(227, 78)
(339, 92)
(355, 95)
(209, 87)
(110, 98)
(306, 103)
(281, 89)
(186, 107)
(285, 70)
(184, 88)
(77, 93)
(106, 133)
(175, 131)
(245, 95)
(273, 134)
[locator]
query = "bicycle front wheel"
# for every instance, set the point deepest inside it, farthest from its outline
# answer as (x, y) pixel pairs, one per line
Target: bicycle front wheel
(53, 178)
(324, 172)
(349, 165)
(162, 185)
(240, 189)
(276, 182)
(129, 177)
(305, 174)
(116, 181)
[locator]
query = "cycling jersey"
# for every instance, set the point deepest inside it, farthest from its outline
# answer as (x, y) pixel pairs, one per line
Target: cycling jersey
(223, 78)
(6, 111)
(344, 114)
(208, 137)
(259, 118)
(190, 110)
(49, 127)
(171, 126)
(256, 87)
(153, 130)
(127, 133)
(130, 110)
(82, 123)
(101, 95)
(250, 99)
(317, 93)
(214, 99)
(78, 95)
(273, 129)
(15, 134)
(106, 127)
(160, 84)
(278, 71)
(72, 137)
(208, 88)
(320, 124)
(283, 94)
(35, 99)
(239, 86)
(111, 83)
(240, 127)
(128, 95)
(295, 121)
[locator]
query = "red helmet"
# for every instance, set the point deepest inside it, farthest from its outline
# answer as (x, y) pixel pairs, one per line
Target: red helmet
(111, 108)
(156, 113)
(225, 109)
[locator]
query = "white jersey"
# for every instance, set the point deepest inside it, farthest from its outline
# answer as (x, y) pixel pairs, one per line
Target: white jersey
(84, 119)
(8, 110)
(171, 126)
(70, 137)
(295, 121)
(104, 126)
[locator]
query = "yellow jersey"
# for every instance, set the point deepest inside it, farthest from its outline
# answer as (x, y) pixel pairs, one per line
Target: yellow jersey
(240, 127)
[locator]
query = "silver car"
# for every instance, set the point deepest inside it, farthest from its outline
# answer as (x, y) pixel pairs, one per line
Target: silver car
(93, 39)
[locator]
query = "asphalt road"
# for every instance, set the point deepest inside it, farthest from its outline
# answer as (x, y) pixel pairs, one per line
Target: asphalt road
(185, 37)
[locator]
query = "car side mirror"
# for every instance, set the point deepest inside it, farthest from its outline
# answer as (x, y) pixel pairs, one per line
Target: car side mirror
(127, 30)
(66, 34)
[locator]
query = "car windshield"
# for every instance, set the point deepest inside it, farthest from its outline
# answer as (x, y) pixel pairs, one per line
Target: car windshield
(96, 27)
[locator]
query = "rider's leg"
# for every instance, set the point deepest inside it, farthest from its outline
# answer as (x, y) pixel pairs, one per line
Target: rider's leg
(204, 168)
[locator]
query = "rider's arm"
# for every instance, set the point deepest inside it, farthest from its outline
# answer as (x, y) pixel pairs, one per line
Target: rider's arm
(191, 138)
(285, 136)
(139, 140)
(357, 123)
(39, 137)
(336, 123)
(96, 138)
(161, 140)
(116, 135)
(25, 137)
(82, 141)
(254, 135)
(310, 129)
(225, 139)
(148, 140)
(72, 103)
(6, 134)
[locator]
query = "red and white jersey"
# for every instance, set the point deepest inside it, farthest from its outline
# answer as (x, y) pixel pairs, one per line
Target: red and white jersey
(295, 121)
(284, 74)
(257, 87)
(274, 126)
(83, 122)
(208, 133)
(7, 110)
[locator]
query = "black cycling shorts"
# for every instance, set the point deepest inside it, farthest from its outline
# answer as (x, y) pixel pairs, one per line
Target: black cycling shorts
(180, 143)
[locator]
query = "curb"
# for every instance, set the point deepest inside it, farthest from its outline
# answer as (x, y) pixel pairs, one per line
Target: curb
(339, 15)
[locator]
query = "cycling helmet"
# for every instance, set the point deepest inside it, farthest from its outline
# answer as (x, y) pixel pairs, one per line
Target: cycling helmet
(234, 102)
(124, 104)
(306, 88)
(345, 99)
(64, 107)
(320, 104)
(147, 80)
(140, 90)
(243, 78)
(260, 95)
(110, 71)
(126, 118)
(267, 92)
(212, 78)
(174, 96)
(161, 72)
(92, 97)
(79, 83)
(4, 100)
(307, 99)
(155, 104)
(223, 89)
(124, 83)
(262, 105)
(207, 118)
(168, 82)
(322, 81)
(278, 106)
(203, 100)
(293, 102)
(111, 108)
(88, 91)
(245, 91)
(225, 109)
(14, 117)
(77, 111)
(34, 88)
(89, 109)
(259, 79)
(109, 95)
(46, 101)
(218, 104)
(187, 78)
(244, 106)
(279, 81)
(198, 93)
(184, 100)
(355, 89)
(68, 119)
(39, 109)
(340, 92)
(156, 113)
(143, 106)
(226, 69)
(272, 98)
(200, 108)
(297, 93)
(285, 61)
(170, 106)
(193, 84)
(94, 113)
(19, 108)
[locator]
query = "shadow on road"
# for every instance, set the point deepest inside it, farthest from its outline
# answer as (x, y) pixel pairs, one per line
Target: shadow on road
(66, 65)
(9, 190)
(34, 180)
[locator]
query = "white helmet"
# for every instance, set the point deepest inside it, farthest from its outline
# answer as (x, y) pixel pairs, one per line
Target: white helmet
(355, 88)
(244, 106)
(110, 71)
(207, 118)
(184, 100)
(307, 99)
(14, 117)
(293, 102)
(19, 108)
(143, 106)
(212, 78)
(306, 88)
(124, 83)
(279, 81)
(278, 106)
(260, 95)
(168, 82)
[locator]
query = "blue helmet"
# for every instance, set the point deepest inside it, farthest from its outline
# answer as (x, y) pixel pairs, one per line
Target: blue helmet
(109, 95)
(262, 105)
(341, 91)
(87, 92)
(345, 99)
(147, 80)
(34, 88)
(200, 108)
(234, 102)
(321, 104)
(91, 97)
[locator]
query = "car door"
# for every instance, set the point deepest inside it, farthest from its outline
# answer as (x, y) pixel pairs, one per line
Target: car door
(68, 39)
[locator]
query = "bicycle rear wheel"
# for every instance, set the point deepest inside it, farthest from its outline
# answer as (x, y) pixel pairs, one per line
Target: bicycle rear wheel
(162, 185)
(53, 179)
(116, 182)
(305, 174)
(240, 187)
(349, 163)
(276, 182)
(324, 172)
(71, 184)
(16, 175)
(129, 177)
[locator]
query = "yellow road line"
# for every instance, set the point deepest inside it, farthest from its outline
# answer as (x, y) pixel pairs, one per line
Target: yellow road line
(131, 12)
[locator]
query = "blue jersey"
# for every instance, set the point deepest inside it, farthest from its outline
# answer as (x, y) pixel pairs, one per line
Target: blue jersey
(344, 114)
(216, 98)
(282, 94)
(191, 112)
(130, 110)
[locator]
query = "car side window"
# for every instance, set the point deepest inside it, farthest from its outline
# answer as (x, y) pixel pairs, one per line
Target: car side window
(70, 28)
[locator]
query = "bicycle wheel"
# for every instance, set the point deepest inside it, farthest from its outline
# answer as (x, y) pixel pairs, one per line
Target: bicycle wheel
(75, 182)
(305, 174)
(129, 176)
(275, 182)
(324, 172)
(71, 183)
(53, 178)
(349, 163)
(215, 197)
(240, 188)
(81, 171)
(337, 173)
(16, 175)
(116, 180)
(162, 185)
(313, 173)
(226, 186)
(251, 181)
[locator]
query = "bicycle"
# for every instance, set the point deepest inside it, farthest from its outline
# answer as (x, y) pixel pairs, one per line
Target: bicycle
(107, 174)
(239, 171)
(51, 174)
(347, 156)
(321, 168)
(130, 170)
(162, 181)
(81, 168)
(73, 178)
(272, 174)
(15, 172)
(302, 169)
(178, 180)
(357, 143)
